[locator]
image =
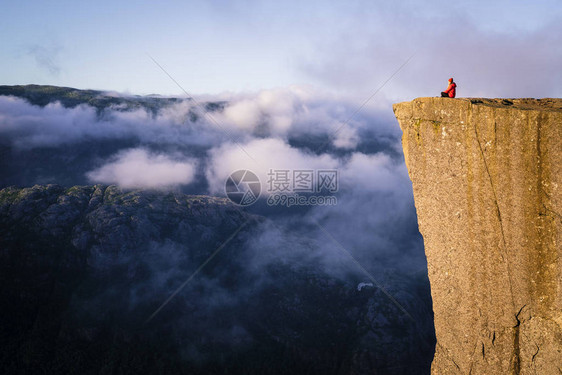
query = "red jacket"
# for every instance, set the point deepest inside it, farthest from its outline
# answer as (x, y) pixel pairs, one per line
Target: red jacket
(451, 90)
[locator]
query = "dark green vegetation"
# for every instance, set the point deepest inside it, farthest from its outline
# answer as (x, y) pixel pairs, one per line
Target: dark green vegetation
(82, 268)
(70, 97)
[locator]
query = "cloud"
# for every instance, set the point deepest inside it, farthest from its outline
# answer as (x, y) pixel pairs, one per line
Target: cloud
(374, 218)
(485, 61)
(45, 57)
(285, 113)
(28, 126)
(276, 109)
(346, 137)
(377, 172)
(260, 156)
(282, 129)
(271, 112)
(301, 110)
(245, 114)
(139, 168)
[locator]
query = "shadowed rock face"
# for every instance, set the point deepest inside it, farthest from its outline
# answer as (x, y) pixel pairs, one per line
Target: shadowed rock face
(83, 269)
(487, 179)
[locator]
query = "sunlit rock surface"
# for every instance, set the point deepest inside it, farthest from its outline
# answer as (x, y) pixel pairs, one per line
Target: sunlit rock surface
(487, 179)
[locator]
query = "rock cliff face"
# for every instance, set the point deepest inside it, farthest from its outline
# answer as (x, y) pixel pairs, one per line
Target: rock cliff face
(487, 180)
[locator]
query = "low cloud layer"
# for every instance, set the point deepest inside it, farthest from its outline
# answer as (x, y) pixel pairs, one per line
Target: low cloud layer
(181, 146)
(260, 156)
(357, 172)
(369, 236)
(287, 128)
(282, 113)
(139, 168)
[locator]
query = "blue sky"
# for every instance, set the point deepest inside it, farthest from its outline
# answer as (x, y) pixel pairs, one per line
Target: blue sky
(504, 48)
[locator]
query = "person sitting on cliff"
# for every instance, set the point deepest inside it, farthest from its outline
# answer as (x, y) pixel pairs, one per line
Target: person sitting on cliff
(451, 90)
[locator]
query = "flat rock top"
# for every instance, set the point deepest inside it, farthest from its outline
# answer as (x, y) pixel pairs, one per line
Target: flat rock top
(545, 104)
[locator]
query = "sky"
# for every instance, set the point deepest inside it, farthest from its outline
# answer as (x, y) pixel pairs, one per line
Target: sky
(501, 48)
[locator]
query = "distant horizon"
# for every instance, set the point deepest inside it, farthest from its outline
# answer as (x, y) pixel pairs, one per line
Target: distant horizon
(229, 92)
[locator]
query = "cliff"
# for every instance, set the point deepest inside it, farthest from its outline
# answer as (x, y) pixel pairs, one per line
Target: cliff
(487, 181)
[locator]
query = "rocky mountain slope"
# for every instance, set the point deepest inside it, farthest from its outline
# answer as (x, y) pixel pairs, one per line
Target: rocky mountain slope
(83, 269)
(487, 179)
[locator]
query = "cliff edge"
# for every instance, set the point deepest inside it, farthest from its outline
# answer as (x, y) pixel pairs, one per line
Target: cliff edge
(487, 180)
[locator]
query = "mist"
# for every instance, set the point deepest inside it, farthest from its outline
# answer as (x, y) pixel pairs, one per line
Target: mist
(187, 146)
(353, 250)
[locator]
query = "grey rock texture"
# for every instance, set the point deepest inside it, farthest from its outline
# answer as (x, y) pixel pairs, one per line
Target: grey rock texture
(487, 180)
(99, 216)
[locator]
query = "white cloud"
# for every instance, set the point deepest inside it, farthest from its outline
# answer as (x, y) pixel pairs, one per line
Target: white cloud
(299, 110)
(275, 109)
(259, 156)
(360, 172)
(138, 168)
(276, 129)
(346, 138)
(283, 113)
(29, 126)
(376, 172)
(245, 114)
